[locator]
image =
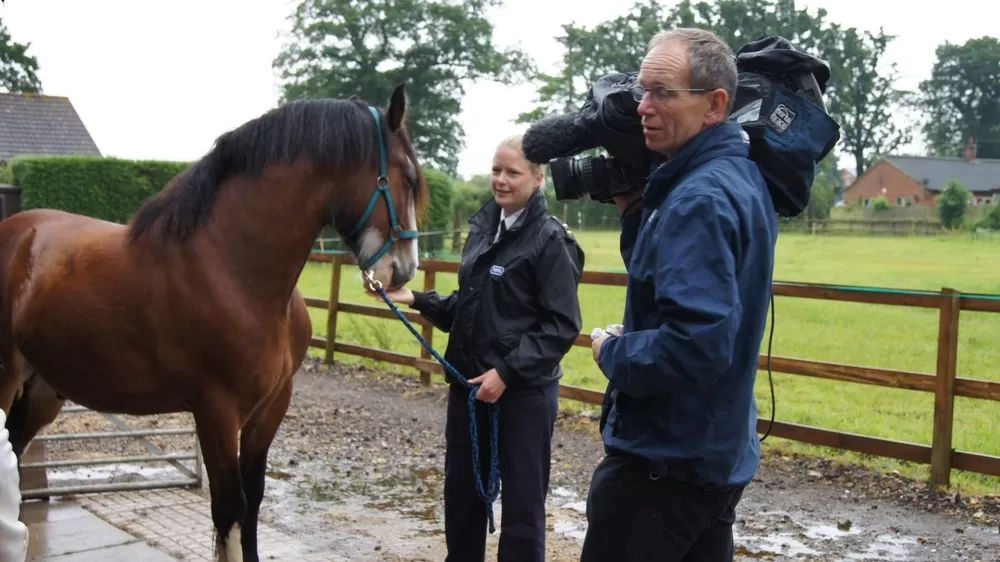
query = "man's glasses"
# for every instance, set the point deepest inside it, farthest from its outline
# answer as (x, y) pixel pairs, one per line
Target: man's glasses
(660, 93)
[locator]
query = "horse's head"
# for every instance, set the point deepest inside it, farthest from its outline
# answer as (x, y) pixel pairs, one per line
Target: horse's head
(377, 218)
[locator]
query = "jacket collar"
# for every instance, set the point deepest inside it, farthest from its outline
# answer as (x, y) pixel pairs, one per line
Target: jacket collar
(488, 217)
(717, 141)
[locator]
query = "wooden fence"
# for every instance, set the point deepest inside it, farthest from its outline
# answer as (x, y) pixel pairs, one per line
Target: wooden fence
(864, 227)
(944, 384)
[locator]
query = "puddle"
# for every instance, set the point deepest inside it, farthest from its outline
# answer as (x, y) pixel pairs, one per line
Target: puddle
(355, 511)
(352, 510)
(115, 473)
(766, 535)
(886, 547)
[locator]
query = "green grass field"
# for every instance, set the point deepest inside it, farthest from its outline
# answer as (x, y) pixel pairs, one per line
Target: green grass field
(861, 334)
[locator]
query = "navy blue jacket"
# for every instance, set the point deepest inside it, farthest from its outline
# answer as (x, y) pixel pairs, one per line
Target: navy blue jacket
(681, 377)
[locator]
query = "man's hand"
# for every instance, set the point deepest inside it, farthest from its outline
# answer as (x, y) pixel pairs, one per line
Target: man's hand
(491, 386)
(595, 345)
(625, 202)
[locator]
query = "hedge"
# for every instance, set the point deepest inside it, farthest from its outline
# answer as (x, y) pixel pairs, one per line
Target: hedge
(111, 189)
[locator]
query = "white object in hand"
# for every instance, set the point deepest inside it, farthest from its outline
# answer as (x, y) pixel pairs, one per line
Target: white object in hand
(597, 333)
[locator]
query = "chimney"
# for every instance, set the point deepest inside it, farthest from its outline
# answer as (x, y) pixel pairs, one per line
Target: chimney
(970, 149)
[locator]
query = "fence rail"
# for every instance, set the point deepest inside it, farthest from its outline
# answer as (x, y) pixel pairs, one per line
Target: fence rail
(944, 383)
(35, 473)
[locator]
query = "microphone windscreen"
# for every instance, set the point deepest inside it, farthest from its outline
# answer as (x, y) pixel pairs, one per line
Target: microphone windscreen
(554, 137)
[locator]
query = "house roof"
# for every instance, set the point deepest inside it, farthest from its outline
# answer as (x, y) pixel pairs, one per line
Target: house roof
(37, 124)
(933, 171)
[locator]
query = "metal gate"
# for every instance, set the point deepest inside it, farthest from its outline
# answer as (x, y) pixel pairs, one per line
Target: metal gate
(39, 472)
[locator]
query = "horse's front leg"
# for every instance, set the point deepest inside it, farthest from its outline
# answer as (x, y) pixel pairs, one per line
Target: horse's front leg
(255, 441)
(218, 428)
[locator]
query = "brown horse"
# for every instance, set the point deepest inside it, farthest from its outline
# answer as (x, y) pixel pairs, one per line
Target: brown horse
(193, 306)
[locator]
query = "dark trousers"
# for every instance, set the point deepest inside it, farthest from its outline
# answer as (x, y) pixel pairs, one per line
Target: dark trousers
(527, 419)
(633, 517)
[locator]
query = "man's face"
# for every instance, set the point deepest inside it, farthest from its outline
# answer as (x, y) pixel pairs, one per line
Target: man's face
(670, 115)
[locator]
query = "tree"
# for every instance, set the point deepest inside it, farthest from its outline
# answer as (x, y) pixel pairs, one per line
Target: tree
(863, 99)
(470, 196)
(952, 203)
(860, 95)
(619, 44)
(18, 69)
(821, 199)
(341, 48)
(961, 99)
(435, 223)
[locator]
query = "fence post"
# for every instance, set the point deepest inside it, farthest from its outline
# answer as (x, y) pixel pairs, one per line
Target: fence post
(428, 331)
(331, 310)
(944, 391)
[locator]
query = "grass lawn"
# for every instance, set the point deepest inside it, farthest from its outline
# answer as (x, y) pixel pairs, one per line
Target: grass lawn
(860, 334)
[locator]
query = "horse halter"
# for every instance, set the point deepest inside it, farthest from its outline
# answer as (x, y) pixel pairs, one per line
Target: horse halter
(396, 231)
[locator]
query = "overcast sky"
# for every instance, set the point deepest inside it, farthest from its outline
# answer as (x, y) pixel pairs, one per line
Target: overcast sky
(162, 80)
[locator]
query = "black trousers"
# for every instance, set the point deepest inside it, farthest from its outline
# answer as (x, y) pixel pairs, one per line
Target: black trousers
(635, 517)
(527, 420)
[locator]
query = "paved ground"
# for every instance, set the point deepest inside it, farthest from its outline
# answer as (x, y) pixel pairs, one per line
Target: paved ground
(148, 526)
(66, 532)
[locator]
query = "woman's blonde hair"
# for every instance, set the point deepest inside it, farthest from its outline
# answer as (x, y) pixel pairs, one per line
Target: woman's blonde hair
(514, 142)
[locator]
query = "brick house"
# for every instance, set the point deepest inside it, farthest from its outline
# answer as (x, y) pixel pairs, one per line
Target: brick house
(916, 180)
(37, 124)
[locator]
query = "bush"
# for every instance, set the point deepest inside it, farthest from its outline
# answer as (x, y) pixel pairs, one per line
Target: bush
(105, 188)
(992, 219)
(880, 203)
(952, 204)
(6, 175)
(438, 216)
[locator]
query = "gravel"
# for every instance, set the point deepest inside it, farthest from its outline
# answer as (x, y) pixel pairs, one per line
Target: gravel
(356, 470)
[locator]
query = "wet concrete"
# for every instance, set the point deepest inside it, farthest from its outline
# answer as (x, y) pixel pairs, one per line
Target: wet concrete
(66, 532)
(395, 514)
(356, 474)
(357, 470)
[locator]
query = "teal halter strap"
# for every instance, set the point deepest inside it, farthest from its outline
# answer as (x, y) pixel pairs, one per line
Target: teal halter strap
(396, 231)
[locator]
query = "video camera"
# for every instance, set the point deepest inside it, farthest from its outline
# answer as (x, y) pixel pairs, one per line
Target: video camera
(779, 103)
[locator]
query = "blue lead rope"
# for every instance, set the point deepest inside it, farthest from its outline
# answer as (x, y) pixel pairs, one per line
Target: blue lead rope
(492, 490)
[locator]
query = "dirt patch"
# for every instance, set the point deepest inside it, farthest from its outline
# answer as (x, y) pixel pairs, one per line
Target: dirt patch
(356, 471)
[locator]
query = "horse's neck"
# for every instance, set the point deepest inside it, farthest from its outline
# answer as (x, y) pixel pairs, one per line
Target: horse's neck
(265, 233)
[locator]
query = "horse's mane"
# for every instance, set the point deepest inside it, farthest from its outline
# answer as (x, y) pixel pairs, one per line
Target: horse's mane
(334, 133)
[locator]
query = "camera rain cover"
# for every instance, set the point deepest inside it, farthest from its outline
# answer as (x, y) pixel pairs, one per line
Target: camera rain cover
(610, 114)
(789, 134)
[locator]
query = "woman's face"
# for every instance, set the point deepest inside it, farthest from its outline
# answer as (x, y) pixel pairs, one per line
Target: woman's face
(512, 180)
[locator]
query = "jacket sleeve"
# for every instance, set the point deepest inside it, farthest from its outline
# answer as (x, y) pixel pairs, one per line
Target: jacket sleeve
(696, 292)
(438, 310)
(557, 278)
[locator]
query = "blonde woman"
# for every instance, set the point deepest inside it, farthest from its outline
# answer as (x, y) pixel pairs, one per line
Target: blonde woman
(511, 321)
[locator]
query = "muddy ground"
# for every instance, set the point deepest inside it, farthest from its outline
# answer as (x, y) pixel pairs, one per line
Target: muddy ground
(357, 470)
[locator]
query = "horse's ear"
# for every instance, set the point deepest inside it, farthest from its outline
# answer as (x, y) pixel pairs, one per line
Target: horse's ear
(397, 108)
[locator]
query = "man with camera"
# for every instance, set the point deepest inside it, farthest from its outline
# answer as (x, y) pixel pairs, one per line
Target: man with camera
(680, 415)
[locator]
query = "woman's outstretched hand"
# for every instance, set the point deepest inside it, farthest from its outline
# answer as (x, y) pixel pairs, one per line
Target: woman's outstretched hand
(398, 296)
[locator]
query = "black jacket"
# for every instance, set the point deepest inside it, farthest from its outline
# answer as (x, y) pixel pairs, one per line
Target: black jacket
(516, 308)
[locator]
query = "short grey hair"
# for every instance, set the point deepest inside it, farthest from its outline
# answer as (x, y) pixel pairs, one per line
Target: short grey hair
(712, 63)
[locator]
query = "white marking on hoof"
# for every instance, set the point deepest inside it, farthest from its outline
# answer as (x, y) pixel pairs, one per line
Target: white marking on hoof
(233, 549)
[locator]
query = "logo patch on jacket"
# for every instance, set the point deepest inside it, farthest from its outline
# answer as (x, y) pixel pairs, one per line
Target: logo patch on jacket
(496, 270)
